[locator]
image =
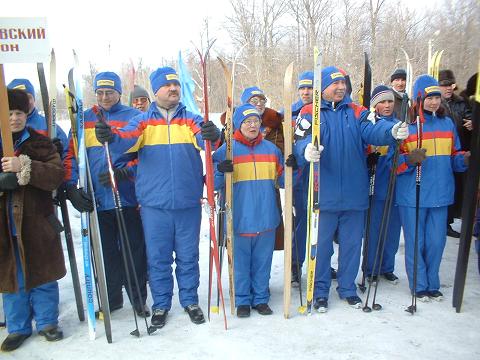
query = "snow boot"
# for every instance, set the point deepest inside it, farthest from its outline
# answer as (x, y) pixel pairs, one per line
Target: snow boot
(13, 341)
(263, 309)
(422, 296)
(391, 278)
(354, 301)
(159, 318)
(321, 304)
(195, 313)
(51, 333)
(243, 311)
(435, 295)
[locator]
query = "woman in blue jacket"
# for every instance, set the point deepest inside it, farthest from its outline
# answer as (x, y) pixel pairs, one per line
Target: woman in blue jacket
(257, 168)
(434, 144)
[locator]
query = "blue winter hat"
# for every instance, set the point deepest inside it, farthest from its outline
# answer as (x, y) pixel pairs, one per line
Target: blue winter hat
(305, 79)
(381, 93)
(250, 92)
(22, 84)
(427, 86)
(107, 80)
(243, 112)
(330, 74)
(163, 76)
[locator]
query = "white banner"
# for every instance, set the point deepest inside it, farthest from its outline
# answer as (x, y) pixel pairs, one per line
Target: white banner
(24, 40)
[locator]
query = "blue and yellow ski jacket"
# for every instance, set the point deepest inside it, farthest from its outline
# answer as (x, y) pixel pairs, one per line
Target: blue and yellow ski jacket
(440, 139)
(345, 132)
(169, 170)
(257, 170)
(118, 116)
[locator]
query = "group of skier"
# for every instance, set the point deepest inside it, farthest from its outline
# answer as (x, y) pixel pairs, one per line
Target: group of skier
(155, 149)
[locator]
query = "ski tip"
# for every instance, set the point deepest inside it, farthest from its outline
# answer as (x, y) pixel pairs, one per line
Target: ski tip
(302, 310)
(214, 309)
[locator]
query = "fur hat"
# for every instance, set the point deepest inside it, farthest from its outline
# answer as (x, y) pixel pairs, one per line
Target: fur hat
(138, 92)
(18, 100)
(163, 76)
(446, 77)
(330, 74)
(243, 112)
(107, 80)
(381, 93)
(398, 74)
(305, 79)
(426, 86)
(22, 84)
(250, 92)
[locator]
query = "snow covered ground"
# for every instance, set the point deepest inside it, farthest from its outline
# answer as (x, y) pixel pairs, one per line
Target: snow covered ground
(436, 331)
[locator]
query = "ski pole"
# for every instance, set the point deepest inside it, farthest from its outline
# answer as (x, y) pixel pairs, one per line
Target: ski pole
(124, 240)
(413, 307)
(385, 217)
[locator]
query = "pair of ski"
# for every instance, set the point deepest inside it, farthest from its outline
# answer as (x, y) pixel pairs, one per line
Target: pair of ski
(90, 231)
(434, 63)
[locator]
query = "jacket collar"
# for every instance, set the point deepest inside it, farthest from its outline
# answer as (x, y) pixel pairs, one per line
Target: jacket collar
(237, 135)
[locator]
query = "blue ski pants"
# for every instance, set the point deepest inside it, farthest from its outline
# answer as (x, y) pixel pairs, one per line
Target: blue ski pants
(112, 255)
(253, 262)
(40, 304)
(432, 235)
(300, 235)
(392, 239)
(350, 226)
(168, 232)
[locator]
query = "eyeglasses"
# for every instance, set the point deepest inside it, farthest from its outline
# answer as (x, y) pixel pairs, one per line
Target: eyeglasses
(106, 93)
(139, 101)
(253, 122)
(257, 101)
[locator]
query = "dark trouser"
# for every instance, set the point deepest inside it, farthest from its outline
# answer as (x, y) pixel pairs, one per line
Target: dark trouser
(455, 210)
(112, 255)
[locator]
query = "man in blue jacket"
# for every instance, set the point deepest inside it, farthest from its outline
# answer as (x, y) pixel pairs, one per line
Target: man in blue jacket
(169, 188)
(344, 133)
(108, 89)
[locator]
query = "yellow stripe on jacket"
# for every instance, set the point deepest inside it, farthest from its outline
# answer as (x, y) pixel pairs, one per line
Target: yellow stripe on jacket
(254, 171)
(159, 135)
(438, 146)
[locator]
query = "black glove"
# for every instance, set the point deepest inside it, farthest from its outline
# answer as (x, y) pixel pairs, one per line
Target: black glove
(372, 159)
(226, 166)
(291, 162)
(416, 156)
(210, 131)
(103, 132)
(59, 145)
(120, 175)
(80, 200)
(8, 181)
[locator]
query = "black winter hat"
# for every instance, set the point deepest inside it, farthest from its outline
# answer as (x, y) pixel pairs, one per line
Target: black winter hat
(446, 77)
(18, 100)
(471, 85)
(398, 74)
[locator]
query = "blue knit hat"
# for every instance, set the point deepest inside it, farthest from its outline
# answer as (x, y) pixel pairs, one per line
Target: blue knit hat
(107, 80)
(22, 84)
(427, 86)
(305, 79)
(243, 112)
(330, 74)
(250, 92)
(381, 93)
(163, 76)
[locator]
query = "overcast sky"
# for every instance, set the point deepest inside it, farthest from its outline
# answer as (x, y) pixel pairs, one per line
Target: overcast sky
(109, 33)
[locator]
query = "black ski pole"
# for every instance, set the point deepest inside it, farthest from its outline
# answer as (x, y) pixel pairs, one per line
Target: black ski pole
(124, 240)
(412, 309)
(62, 201)
(386, 215)
(366, 236)
(220, 236)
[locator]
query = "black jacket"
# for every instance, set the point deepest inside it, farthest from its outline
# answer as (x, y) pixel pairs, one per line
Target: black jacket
(458, 109)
